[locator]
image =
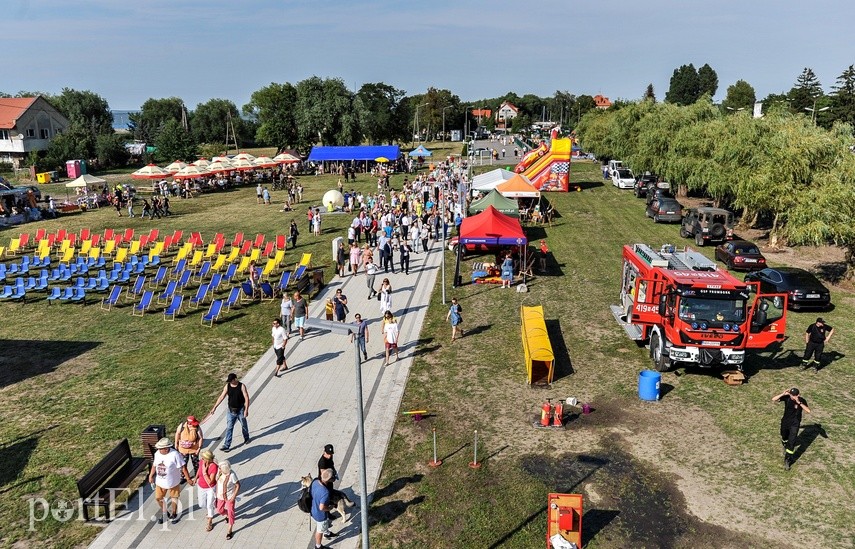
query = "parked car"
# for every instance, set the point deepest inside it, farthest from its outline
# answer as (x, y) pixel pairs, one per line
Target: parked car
(642, 183)
(707, 225)
(622, 178)
(614, 165)
(740, 255)
(659, 190)
(665, 210)
(803, 288)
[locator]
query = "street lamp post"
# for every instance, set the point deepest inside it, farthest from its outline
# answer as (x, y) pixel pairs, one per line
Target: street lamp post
(814, 110)
(349, 329)
(443, 122)
(416, 123)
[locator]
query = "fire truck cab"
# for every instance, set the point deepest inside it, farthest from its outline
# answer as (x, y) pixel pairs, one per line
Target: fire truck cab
(691, 312)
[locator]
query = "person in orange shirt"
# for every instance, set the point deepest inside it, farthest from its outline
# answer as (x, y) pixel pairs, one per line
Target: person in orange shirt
(544, 251)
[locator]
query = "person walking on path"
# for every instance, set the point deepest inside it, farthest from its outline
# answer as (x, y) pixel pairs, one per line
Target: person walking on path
(280, 339)
(228, 487)
(455, 315)
(238, 402)
(285, 312)
(167, 468)
(189, 441)
(370, 275)
(326, 462)
(320, 507)
(354, 259)
(816, 336)
(390, 335)
(790, 422)
(316, 222)
(544, 253)
(340, 304)
(299, 312)
(361, 335)
(404, 251)
(258, 193)
(206, 482)
(385, 296)
(293, 233)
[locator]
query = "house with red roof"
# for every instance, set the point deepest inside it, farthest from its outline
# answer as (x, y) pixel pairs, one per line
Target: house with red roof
(27, 124)
(602, 102)
(505, 114)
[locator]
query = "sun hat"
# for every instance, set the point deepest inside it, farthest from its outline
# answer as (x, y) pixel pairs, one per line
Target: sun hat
(207, 455)
(163, 443)
(191, 420)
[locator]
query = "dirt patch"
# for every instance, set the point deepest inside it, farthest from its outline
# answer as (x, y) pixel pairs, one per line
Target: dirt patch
(631, 504)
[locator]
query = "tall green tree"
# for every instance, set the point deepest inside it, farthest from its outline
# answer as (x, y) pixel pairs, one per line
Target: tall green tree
(210, 121)
(273, 109)
(740, 95)
(376, 105)
(147, 124)
(707, 81)
(173, 142)
(684, 88)
(806, 93)
(85, 110)
(110, 150)
(325, 114)
(649, 94)
(843, 98)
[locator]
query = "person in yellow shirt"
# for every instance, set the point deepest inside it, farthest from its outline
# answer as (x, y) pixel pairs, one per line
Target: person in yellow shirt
(329, 308)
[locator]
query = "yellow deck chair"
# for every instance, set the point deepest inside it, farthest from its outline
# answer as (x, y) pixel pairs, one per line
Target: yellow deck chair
(62, 248)
(121, 255)
(109, 247)
(67, 256)
(14, 246)
(135, 247)
(219, 263)
(279, 257)
(85, 246)
(44, 249)
(183, 252)
(305, 261)
(155, 251)
(212, 249)
(244, 265)
(197, 258)
(255, 255)
(233, 255)
(94, 253)
(268, 268)
(2, 250)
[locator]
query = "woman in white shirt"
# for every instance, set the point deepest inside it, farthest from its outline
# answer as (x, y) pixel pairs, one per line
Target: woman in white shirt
(228, 487)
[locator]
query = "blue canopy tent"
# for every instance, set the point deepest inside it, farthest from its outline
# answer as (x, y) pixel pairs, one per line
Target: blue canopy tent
(368, 152)
(420, 151)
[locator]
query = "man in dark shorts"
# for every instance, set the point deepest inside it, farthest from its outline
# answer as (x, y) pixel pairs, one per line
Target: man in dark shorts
(280, 339)
(790, 422)
(816, 336)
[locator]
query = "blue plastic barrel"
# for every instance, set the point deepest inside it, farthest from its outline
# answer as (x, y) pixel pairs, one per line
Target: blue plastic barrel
(648, 385)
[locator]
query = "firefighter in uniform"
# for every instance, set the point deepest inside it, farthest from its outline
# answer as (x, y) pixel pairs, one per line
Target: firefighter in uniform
(790, 422)
(816, 336)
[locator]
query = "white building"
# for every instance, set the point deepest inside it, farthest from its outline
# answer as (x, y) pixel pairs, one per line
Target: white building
(27, 124)
(505, 115)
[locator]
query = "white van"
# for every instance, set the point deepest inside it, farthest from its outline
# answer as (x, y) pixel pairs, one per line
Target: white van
(613, 166)
(622, 178)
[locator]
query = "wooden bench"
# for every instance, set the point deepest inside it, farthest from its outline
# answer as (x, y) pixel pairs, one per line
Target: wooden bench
(98, 487)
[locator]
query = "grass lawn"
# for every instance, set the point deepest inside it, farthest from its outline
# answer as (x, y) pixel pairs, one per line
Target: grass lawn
(76, 379)
(701, 467)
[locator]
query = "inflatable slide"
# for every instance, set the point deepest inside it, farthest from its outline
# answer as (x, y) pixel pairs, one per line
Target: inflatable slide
(548, 166)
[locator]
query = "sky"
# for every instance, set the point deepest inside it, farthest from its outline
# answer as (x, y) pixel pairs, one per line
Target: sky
(128, 52)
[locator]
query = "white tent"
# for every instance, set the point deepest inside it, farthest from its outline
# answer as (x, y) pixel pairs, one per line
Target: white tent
(85, 180)
(490, 180)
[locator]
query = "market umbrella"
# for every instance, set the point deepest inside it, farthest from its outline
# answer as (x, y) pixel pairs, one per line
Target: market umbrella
(220, 166)
(202, 163)
(175, 166)
(243, 164)
(191, 172)
(265, 162)
(221, 159)
(244, 156)
(151, 171)
(381, 159)
(286, 158)
(85, 180)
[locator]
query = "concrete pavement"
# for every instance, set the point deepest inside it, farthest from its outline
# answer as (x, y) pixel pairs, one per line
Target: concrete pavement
(291, 418)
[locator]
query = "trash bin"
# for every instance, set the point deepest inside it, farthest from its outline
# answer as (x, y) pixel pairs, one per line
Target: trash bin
(43, 177)
(648, 385)
(149, 438)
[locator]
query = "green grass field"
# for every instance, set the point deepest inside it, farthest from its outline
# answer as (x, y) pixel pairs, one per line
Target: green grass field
(77, 379)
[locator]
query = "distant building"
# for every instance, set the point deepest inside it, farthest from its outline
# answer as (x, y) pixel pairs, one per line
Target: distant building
(481, 113)
(602, 102)
(27, 124)
(505, 114)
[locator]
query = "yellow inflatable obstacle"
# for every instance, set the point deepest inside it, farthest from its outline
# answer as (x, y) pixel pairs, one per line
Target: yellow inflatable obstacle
(539, 359)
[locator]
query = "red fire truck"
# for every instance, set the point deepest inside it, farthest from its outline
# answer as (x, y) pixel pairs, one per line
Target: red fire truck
(691, 312)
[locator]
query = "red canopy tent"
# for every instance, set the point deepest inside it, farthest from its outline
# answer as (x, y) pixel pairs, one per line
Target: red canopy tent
(492, 228)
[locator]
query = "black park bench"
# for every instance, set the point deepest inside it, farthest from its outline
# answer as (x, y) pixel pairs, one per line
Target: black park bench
(115, 472)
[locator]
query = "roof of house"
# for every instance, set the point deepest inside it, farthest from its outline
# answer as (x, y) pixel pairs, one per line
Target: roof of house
(602, 101)
(482, 112)
(11, 109)
(510, 106)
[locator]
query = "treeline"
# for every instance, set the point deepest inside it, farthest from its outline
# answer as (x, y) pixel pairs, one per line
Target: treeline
(782, 170)
(296, 116)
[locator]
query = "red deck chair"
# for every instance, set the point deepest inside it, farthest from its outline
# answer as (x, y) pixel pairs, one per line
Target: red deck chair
(85, 234)
(96, 239)
(118, 238)
(167, 242)
(72, 238)
(108, 234)
(196, 239)
(281, 242)
(259, 241)
(51, 238)
(220, 240)
(143, 240)
(129, 235)
(40, 234)
(268, 249)
(60, 234)
(25, 239)
(238, 241)
(176, 237)
(153, 236)
(247, 246)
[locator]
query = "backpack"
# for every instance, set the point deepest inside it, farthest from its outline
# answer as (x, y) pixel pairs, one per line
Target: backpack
(304, 503)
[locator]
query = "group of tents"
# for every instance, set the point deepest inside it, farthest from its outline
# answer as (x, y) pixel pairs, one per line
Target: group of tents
(502, 188)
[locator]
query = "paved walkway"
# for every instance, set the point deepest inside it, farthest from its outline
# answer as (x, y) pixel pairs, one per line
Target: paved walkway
(291, 419)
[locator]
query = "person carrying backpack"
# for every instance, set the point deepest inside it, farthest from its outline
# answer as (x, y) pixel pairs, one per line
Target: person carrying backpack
(189, 440)
(320, 494)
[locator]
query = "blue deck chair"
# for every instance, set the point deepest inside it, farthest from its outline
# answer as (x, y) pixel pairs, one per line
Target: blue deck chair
(144, 304)
(213, 313)
(266, 291)
(168, 292)
(284, 280)
(111, 299)
(215, 282)
(137, 289)
(234, 297)
(246, 294)
(230, 272)
(174, 307)
(199, 298)
(301, 269)
(185, 278)
(179, 268)
(159, 276)
(203, 271)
